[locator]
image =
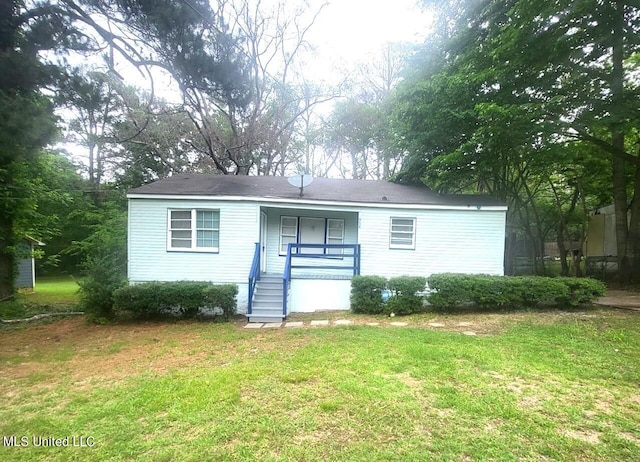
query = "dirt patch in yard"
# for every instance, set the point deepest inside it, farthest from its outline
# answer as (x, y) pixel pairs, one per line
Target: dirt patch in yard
(82, 353)
(108, 353)
(465, 322)
(588, 436)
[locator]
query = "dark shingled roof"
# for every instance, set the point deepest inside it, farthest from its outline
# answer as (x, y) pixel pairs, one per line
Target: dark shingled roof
(322, 189)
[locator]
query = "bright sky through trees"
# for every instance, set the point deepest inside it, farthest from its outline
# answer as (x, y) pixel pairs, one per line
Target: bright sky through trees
(349, 32)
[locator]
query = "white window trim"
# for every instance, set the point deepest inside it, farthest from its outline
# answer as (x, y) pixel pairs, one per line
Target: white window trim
(339, 252)
(194, 232)
(280, 235)
(411, 246)
(326, 230)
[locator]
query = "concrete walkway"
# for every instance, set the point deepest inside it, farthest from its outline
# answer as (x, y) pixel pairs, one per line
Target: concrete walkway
(347, 322)
(294, 324)
(321, 323)
(620, 299)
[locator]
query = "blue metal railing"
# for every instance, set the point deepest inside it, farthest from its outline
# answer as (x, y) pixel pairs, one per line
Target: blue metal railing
(286, 277)
(254, 275)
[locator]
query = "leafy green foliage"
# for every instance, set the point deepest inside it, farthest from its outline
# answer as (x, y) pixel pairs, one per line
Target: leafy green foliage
(529, 102)
(451, 290)
(191, 40)
(406, 297)
(104, 265)
(152, 299)
(27, 123)
(366, 294)
(19, 158)
(582, 291)
(359, 129)
(187, 39)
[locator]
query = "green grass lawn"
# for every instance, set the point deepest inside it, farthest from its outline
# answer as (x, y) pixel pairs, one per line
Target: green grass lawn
(51, 294)
(530, 386)
(54, 290)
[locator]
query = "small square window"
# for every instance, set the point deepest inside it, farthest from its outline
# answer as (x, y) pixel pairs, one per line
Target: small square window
(402, 233)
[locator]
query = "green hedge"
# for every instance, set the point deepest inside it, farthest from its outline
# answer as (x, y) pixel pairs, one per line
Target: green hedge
(405, 297)
(151, 299)
(454, 290)
(366, 294)
(582, 290)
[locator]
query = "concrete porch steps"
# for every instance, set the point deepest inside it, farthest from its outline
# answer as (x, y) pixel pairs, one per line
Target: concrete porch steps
(267, 300)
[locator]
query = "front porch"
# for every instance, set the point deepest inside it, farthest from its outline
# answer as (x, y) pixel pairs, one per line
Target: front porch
(309, 282)
(303, 261)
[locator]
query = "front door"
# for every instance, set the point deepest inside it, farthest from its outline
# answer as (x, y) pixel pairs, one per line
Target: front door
(263, 242)
(312, 231)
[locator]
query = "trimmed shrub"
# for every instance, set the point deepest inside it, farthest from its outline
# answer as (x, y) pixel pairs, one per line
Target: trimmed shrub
(152, 299)
(222, 296)
(449, 289)
(483, 291)
(581, 291)
(533, 291)
(366, 294)
(405, 298)
(516, 292)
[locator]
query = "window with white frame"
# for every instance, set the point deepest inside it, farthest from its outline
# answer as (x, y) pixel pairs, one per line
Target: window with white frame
(193, 230)
(308, 230)
(402, 233)
(288, 232)
(335, 235)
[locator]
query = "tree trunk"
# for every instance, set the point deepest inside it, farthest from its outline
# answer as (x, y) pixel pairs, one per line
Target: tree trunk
(7, 273)
(510, 254)
(7, 262)
(617, 140)
(633, 243)
(563, 251)
(620, 206)
(577, 260)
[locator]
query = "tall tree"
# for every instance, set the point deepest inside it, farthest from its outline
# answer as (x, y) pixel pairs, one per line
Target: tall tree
(152, 142)
(359, 134)
(93, 98)
(185, 38)
(26, 123)
(541, 74)
(254, 135)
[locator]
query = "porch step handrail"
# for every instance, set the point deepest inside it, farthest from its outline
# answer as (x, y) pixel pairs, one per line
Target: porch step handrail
(254, 275)
(286, 279)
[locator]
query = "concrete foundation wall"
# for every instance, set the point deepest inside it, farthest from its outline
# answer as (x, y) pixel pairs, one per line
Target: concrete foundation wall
(309, 295)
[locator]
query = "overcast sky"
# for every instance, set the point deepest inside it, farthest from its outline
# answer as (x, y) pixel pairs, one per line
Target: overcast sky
(351, 28)
(352, 31)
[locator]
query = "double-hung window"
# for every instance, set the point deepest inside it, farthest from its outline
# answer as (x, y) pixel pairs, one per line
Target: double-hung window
(288, 233)
(193, 230)
(335, 235)
(309, 230)
(402, 233)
